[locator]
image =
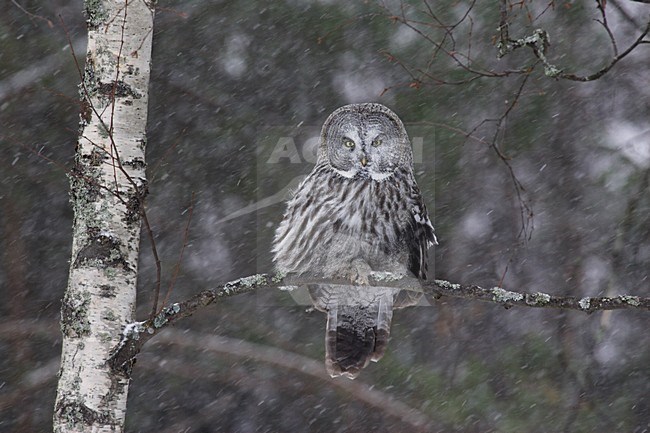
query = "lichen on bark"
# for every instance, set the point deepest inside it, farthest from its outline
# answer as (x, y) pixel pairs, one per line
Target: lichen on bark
(106, 196)
(74, 314)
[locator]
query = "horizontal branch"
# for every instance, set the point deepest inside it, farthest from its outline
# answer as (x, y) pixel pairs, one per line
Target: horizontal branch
(508, 298)
(135, 335)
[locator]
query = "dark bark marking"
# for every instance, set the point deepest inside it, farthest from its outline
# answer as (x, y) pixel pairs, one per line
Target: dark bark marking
(75, 412)
(106, 291)
(119, 89)
(101, 250)
(74, 316)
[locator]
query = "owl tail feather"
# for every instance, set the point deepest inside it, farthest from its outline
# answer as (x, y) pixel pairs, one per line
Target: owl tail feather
(356, 334)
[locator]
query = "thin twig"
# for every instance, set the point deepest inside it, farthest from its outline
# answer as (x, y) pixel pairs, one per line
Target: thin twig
(525, 209)
(177, 267)
(154, 170)
(615, 60)
(33, 16)
(601, 7)
(116, 157)
(156, 257)
(73, 173)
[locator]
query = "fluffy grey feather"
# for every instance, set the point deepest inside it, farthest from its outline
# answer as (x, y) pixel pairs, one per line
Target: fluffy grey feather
(359, 210)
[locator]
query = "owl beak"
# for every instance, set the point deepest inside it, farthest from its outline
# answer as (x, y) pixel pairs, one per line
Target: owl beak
(364, 161)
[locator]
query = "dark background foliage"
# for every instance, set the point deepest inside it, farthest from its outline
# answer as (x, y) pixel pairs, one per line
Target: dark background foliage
(232, 79)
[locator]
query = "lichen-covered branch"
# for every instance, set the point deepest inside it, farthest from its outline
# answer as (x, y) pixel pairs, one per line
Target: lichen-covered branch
(135, 335)
(509, 298)
(539, 42)
(445, 39)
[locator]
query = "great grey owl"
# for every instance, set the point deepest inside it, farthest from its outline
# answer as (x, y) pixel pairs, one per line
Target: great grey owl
(359, 210)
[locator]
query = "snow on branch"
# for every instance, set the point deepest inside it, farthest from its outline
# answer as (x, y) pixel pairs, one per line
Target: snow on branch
(135, 335)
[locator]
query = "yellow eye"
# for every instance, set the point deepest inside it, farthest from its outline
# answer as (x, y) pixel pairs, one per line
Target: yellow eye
(348, 143)
(376, 142)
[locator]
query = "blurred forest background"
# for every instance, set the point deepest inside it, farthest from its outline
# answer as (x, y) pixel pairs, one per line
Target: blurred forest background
(232, 81)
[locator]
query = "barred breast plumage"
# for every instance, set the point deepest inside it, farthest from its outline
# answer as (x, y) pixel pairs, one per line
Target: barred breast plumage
(359, 210)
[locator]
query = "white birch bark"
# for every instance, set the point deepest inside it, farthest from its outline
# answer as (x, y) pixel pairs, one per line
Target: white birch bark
(107, 187)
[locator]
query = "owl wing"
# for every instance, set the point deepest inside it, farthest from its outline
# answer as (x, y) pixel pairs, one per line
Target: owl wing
(300, 223)
(421, 236)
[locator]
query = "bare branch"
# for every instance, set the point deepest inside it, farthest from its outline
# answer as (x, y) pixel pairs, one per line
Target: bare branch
(614, 61)
(300, 364)
(135, 335)
(603, 22)
(177, 267)
(539, 43)
(365, 393)
(508, 298)
(32, 16)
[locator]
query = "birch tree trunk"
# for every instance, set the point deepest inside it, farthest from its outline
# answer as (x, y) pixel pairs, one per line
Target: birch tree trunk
(108, 185)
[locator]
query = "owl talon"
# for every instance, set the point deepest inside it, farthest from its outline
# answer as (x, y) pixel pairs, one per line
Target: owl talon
(359, 272)
(361, 280)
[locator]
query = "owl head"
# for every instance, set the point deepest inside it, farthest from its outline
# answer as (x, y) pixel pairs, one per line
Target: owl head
(364, 140)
